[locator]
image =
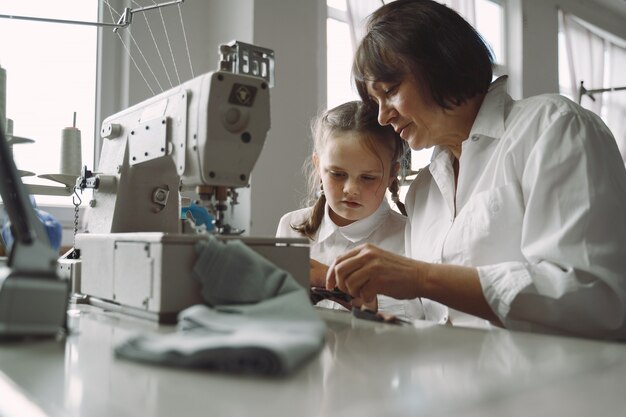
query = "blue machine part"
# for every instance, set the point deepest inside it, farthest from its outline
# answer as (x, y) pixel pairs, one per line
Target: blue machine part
(200, 216)
(52, 225)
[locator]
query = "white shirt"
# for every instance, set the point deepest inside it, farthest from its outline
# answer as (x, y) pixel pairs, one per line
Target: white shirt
(540, 209)
(384, 228)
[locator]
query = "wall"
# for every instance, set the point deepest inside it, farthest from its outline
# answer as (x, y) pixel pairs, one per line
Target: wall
(278, 184)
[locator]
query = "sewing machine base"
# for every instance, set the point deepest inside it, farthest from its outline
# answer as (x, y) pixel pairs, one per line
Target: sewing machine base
(148, 275)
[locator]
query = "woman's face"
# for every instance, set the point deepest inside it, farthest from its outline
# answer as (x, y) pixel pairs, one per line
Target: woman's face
(354, 178)
(413, 114)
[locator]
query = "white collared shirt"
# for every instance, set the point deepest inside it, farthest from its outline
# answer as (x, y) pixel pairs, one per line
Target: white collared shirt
(384, 228)
(540, 209)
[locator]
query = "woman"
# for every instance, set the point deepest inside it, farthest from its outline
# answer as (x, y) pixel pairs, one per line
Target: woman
(520, 218)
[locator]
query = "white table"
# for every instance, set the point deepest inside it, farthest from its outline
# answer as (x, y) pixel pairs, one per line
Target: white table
(365, 369)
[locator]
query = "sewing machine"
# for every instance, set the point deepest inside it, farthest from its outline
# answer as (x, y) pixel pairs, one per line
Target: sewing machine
(204, 136)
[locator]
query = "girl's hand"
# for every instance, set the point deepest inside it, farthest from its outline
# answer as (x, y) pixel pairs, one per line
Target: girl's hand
(317, 274)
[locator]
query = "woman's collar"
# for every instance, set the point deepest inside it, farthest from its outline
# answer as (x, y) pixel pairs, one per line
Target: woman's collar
(490, 118)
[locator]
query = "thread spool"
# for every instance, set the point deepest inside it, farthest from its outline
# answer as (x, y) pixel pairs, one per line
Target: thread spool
(71, 152)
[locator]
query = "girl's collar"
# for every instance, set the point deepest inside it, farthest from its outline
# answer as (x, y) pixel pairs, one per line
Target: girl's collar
(356, 231)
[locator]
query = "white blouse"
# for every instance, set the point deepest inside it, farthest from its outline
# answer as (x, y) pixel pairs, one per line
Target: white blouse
(540, 209)
(384, 228)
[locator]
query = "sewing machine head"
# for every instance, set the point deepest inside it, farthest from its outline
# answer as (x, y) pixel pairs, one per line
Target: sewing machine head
(204, 135)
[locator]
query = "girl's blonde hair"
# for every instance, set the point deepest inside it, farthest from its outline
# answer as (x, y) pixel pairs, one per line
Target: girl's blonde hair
(350, 117)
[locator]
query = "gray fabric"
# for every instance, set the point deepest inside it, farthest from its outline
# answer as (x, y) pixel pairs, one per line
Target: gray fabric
(258, 319)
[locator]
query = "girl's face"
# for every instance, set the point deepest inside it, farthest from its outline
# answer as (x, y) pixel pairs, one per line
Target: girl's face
(354, 179)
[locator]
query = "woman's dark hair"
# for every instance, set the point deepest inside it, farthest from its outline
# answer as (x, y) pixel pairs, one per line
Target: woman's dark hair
(350, 117)
(444, 53)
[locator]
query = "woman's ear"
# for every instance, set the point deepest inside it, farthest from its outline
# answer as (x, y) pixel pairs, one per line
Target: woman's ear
(316, 162)
(395, 169)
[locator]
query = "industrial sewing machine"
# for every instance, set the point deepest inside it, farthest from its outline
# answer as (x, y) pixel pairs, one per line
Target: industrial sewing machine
(204, 136)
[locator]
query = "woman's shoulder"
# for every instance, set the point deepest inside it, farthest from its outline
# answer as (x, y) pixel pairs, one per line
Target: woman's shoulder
(548, 116)
(546, 108)
(292, 218)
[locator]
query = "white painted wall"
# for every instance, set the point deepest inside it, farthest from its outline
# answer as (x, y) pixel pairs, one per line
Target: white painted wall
(292, 29)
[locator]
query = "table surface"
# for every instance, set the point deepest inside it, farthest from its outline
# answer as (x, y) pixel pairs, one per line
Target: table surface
(364, 369)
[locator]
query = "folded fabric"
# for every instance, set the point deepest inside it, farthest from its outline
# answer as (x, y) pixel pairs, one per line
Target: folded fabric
(258, 319)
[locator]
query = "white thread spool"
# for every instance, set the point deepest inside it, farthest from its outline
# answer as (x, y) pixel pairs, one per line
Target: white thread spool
(71, 152)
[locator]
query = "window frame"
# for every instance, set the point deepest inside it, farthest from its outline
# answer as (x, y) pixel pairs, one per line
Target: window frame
(65, 212)
(501, 68)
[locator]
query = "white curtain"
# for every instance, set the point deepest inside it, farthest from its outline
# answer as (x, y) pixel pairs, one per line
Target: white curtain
(588, 52)
(615, 101)
(585, 54)
(358, 11)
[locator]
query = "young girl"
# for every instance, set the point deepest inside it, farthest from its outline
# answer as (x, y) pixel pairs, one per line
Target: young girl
(354, 162)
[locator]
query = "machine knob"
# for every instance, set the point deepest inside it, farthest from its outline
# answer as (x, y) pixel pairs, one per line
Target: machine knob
(110, 130)
(235, 119)
(232, 115)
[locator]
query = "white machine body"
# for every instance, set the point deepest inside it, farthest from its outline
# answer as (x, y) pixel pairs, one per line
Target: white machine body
(149, 275)
(208, 131)
(205, 134)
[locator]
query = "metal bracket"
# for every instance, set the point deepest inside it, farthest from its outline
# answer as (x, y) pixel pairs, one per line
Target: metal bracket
(582, 91)
(243, 58)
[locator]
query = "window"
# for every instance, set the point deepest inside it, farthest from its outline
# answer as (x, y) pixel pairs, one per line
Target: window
(51, 73)
(490, 24)
(565, 81)
(339, 87)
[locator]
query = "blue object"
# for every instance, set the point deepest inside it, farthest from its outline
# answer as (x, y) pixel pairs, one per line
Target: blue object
(199, 215)
(51, 224)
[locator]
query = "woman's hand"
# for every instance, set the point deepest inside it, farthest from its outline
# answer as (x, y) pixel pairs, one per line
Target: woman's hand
(317, 278)
(368, 270)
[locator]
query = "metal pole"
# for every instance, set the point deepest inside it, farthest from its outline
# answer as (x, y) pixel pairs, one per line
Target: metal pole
(124, 20)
